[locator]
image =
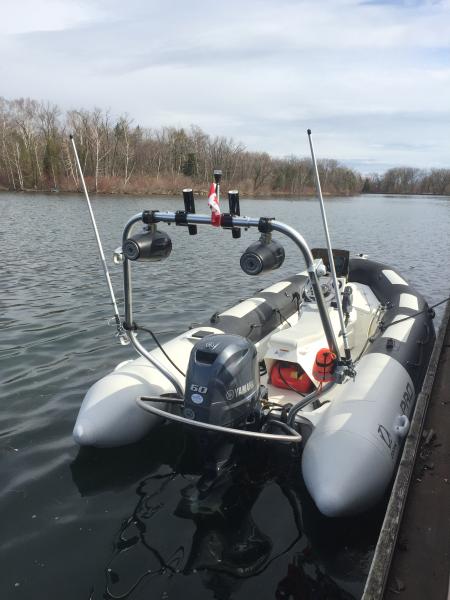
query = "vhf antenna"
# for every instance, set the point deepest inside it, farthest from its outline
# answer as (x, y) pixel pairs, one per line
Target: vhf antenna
(330, 253)
(123, 338)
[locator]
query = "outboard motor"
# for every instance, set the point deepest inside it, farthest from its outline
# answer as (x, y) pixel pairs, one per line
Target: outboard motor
(222, 388)
(222, 381)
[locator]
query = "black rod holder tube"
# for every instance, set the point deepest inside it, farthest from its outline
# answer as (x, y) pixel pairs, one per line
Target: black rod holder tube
(217, 180)
(189, 207)
(235, 210)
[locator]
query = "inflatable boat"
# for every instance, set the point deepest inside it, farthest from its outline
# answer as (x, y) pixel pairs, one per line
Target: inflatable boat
(329, 360)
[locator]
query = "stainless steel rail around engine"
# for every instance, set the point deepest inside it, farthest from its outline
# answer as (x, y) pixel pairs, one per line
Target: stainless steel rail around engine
(293, 437)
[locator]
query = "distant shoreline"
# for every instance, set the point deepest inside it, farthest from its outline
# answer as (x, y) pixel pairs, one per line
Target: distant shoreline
(203, 194)
(171, 193)
(120, 157)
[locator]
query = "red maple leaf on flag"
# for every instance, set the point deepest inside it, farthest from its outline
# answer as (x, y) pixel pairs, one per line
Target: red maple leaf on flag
(213, 204)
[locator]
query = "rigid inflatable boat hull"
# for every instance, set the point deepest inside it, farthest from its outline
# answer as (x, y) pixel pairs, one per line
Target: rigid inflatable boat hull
(352, 452)
(109, 415)
(351, 456)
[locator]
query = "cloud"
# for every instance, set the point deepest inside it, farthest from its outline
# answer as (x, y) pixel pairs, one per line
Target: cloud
(24, 16)
(372, 78)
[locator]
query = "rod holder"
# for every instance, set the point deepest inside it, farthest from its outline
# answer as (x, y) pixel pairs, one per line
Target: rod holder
(235, 210)
(189, 207)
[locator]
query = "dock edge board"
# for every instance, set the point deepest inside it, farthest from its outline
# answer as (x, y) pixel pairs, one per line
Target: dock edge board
(384, 551)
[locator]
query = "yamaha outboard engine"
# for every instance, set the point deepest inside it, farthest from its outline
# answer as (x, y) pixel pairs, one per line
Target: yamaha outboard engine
(222, 388)
(222, 381)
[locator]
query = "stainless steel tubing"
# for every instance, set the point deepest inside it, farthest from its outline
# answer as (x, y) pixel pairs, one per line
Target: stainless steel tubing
(129, 314)
(298, 239)
(274, 437)
(237, 221)
(155, 362)
(307, 400)
(127, 271)
(290, 232)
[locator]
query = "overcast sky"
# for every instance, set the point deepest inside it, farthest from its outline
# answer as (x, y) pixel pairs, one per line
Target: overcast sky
(371, 78)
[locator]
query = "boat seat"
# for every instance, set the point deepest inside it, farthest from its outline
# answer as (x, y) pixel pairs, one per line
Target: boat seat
(299, 344)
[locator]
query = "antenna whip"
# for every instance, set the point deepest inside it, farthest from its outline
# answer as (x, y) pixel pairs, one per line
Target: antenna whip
(330, 253)
(123, 338)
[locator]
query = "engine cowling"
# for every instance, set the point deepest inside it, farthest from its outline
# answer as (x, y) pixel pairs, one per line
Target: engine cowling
(222, 381)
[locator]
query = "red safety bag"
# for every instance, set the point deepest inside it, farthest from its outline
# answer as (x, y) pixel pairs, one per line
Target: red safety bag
(289, 375)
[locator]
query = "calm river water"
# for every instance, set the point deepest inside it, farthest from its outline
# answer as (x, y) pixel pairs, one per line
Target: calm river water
(116, 523)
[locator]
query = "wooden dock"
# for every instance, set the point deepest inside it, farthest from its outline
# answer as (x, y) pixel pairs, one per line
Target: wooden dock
(412, 557)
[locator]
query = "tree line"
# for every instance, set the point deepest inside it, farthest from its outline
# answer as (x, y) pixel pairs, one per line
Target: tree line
(408, 180)
(119, 156)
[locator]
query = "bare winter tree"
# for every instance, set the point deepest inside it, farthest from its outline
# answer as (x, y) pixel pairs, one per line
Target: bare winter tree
(117, 155)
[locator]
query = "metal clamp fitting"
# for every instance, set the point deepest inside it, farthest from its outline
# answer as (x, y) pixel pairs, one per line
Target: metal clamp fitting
(180, 217)
(265, 225)
(226, 221)
(149, 218)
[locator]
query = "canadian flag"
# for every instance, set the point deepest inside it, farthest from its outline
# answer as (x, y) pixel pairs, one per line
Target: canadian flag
(213, 203)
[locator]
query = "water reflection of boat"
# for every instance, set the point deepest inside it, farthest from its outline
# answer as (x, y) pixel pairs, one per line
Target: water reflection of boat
(254, 524)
